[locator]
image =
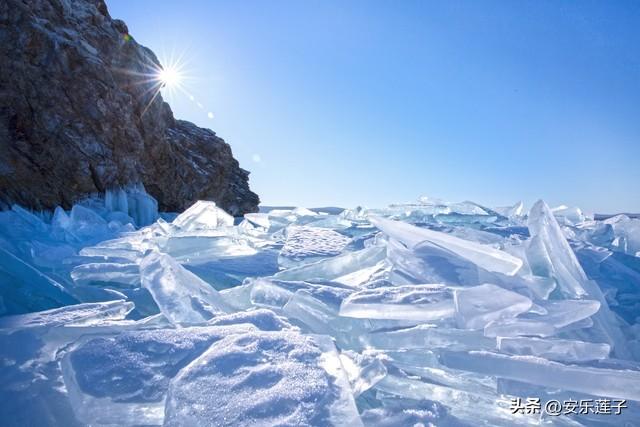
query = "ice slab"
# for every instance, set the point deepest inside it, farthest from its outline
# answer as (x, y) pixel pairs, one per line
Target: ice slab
(519, 327)
(623, 383)
(203, 247)
(182, 296)
(428, 337)
(123, 379)
(550, 253)
(562, 313)
(24, 288)
(554, 349)
(626, 233)
(484, 256)
(335, 267)
(418, 302)
(569, 215)
(429, 263)
(304, 242)
(71, 315)
(363, 370)
(202, 215)
(127, 274)
(475, 408)
(475, 307)
(263, 378)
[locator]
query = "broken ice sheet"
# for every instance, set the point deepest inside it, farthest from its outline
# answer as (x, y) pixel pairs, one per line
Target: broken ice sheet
(263, 378)
(617, 383)
(122, 379)
(554, 349)
(24, 288)
(428, 336)
(363, 370)
(182, 296)
(418, 302)
(335, 267)
(304, 243)
(206, 246)
(482, 409)
(549, 254)
(428, 263)
(202, 215)
(124, 274)
(265, 292)
(484, 256)
(78, 314)
(477, 306)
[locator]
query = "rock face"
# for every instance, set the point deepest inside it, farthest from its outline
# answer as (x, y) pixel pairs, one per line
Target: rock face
(80, 113)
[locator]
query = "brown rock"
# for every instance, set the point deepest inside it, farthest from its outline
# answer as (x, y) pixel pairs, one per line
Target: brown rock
(77, 116)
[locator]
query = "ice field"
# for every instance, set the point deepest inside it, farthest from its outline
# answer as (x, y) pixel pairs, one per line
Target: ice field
(428, 313)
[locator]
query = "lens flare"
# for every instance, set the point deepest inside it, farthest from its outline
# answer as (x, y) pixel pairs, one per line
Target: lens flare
(169, 77)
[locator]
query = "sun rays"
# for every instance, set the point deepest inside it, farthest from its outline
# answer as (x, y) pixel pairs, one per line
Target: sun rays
(169, 79)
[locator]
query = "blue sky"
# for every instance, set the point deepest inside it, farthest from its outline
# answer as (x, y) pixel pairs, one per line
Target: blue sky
(371, 102)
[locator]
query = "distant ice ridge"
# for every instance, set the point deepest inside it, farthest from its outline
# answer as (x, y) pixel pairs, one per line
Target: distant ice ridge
(426, 313)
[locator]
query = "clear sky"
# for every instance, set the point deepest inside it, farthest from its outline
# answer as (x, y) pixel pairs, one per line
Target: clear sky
(347, 103)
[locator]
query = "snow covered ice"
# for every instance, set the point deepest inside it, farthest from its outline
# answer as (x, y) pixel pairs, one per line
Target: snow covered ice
(425, 313)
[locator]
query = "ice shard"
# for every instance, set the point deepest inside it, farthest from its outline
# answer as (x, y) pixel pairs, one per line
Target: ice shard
(554, 349)
(182, 296)
(418, 302)
(484, 256)
(477, 306)
(617, 383)
(202, 215)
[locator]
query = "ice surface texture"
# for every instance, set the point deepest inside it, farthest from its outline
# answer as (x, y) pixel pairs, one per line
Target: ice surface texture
(428, 313)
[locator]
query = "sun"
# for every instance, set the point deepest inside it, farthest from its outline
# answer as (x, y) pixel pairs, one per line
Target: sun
(170, 77)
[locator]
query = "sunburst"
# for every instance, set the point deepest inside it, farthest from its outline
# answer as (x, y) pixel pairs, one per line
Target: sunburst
(168, 79)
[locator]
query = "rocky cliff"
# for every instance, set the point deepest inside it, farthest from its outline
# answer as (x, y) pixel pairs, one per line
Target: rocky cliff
(78, 116)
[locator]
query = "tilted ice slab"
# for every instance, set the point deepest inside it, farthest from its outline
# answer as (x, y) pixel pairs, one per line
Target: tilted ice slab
(202, 215)
(127, 274)
(417, 302)
(335, 267)
(486, 257)
(24, 287)
(430, 263)
(263, 378)
(475, 307)
(554, 349)
(428, 337)
(462, 404)
(550, 254)
(362, 370)
(622, 383)
(182, 296)
(205, 246)
(78, 315)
